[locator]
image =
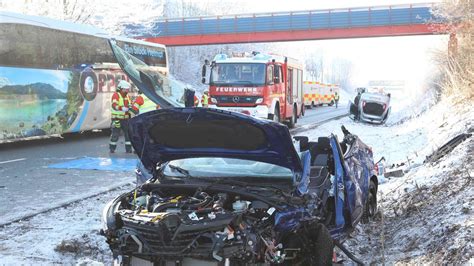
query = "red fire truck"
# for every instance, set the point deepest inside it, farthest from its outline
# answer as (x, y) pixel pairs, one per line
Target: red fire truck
(262, 85)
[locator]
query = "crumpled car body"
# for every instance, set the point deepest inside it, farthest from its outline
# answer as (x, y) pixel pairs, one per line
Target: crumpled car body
(230, 188)
(374, 107)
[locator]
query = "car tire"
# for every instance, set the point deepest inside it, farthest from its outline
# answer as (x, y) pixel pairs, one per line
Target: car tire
(323, 247)
(312, 105)
(302, 110)
(370, 208)
(276, 115)
(331, 103)
(316, 244)
(293, 119)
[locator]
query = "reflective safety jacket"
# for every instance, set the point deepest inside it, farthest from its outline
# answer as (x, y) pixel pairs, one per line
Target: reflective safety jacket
(118, 104)
(336, 97)
(196, 100)
(205, 100)
(143, 104)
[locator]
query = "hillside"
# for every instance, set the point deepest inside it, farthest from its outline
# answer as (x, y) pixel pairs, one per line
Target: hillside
(41, 90)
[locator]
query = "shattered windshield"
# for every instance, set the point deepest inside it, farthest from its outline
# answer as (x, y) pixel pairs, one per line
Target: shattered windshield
(154, 81)
(238, 74)
(227, 167)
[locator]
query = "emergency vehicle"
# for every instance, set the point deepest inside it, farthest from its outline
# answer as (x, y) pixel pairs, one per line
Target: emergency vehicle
(261, 85)
(317, 93)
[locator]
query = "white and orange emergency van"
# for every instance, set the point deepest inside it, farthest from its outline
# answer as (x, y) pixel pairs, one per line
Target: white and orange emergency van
(316, 93)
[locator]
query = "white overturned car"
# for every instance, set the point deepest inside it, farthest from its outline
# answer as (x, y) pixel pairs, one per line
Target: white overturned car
(372, 107)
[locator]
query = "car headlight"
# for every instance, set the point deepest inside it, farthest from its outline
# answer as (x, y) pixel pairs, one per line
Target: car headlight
(106, 219)
(213, 100)
(259, 100)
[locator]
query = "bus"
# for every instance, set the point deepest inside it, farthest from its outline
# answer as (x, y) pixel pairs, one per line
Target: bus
(262, 85)
(58, 77)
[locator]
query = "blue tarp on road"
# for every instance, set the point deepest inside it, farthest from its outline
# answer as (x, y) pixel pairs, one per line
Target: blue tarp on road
(98, 163)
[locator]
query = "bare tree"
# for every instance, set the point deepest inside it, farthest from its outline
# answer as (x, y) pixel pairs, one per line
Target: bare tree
(314, 66)
(456, 66)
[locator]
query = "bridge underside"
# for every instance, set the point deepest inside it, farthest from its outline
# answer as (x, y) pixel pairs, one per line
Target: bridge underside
(297, 35)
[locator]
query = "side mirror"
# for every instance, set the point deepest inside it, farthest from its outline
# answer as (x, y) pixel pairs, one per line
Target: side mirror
(203, 73)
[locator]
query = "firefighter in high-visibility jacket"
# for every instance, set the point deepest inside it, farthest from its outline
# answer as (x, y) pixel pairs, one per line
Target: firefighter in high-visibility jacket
(205, 99)
(196, 101)
(336, 98)
(143, 104)
(120, 112)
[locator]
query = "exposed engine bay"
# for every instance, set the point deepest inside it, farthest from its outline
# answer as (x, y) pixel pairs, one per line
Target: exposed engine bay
(159, 223)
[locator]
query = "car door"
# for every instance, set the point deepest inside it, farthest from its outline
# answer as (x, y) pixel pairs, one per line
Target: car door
(358, 165)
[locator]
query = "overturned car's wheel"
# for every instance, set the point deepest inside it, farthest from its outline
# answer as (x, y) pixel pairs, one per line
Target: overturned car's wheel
(370, 208)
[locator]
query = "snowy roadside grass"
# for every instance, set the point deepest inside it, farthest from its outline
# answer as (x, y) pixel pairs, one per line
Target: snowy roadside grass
(68, 235)
(426, 216)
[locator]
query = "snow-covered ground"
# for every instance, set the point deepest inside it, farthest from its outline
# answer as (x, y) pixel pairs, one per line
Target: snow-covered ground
(425, 216)
(68, 235)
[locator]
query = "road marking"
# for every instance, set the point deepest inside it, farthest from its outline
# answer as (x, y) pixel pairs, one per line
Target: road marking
(11, 161)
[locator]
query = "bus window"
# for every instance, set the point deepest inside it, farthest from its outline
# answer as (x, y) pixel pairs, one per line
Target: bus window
(41, 47)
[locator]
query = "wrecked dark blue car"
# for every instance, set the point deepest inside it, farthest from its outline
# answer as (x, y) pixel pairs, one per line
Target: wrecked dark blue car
(230, 189)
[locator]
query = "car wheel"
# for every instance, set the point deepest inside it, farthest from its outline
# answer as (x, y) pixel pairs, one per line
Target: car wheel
(312, 105)
(276, 115)
(370, 208)
(302, 110)
(331, 103)
(293, 119)
(323, 247)
(316, 244)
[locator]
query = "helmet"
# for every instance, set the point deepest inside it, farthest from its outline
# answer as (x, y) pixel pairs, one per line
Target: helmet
(124, 85)
(206, 92)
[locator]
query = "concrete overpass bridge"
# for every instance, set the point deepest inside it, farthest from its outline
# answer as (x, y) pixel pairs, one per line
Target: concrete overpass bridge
(380, 21)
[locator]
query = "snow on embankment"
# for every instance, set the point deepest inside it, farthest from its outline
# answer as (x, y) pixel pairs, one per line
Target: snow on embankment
(426, 216)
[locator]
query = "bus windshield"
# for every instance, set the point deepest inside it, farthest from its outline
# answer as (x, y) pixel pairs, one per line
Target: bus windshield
(240, 74)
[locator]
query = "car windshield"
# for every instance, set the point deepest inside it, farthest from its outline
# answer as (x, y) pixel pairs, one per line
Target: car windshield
(226, 167)
(241, 74)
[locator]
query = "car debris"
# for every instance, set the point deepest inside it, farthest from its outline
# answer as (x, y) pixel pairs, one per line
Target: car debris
(447, 148)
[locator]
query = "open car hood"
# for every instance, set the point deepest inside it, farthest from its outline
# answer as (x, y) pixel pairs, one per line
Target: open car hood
(178, 133)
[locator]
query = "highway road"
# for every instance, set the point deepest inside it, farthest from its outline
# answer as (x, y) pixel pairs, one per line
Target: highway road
(28, 184)
(321, 113)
